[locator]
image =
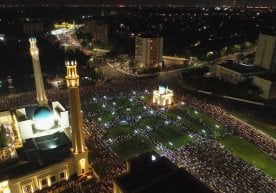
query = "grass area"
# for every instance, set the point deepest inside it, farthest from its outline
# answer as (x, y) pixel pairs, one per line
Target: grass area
(196, 120)
(146, 97)
(117, 131)
(95, 107)
(208, 121)
(150, 121)
(132, 110)
(104, 117)
(251, 154)
(171, 136)
(185, 119)
(132, 147)
(3, 138)
(266, 128)
(120, 102)
(214, 126)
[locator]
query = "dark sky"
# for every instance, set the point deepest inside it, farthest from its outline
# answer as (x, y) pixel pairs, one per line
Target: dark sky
(143, 2)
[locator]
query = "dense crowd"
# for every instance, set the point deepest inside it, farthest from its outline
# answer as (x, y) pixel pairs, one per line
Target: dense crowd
(267, 143)
(219, 169)
(205, 158)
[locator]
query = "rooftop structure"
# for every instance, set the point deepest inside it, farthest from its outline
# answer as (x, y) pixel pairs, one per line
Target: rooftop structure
(151, 173)
(236, 72)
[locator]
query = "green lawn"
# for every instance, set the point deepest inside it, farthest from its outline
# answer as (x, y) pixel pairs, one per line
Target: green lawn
(251, 154)
(150, 121)
(196, 120)
(146, 97)
(266, 128)
(183, 117)
(104, 117)
(132, 110)
(120, 102)
(171, 136)
(117, 131)
(95, 107)
(132, 147)
(208, 121)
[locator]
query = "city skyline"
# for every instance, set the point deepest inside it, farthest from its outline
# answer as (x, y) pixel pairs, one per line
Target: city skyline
(143, 2)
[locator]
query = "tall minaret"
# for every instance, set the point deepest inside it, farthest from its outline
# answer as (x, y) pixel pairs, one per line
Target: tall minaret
(39, 84)
(79, 149)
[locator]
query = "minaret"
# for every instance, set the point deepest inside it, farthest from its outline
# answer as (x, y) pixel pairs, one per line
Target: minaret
(79, 149)
(39, 84)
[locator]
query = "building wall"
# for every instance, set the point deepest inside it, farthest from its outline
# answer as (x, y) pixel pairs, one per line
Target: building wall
(268, 87)
(98, 31)
(148, 51)
(42, 178)
(162, 99)
(228, 74)
(32, 28)
(266, 51)
(116, 188)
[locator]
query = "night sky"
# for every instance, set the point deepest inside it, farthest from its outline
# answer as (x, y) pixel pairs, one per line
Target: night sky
(145, 2)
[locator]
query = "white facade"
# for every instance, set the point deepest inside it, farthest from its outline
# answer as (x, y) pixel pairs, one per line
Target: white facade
(39, 179)
(61, 119)
(163, 96)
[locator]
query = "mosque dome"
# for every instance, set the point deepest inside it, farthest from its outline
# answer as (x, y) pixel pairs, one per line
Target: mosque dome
(43, 118)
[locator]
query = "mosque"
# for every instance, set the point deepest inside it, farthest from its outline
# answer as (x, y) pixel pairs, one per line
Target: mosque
(42, 144)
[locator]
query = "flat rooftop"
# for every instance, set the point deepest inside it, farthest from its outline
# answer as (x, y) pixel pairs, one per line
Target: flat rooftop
(151, 173)
(243, 68)
(270, 77)
(35, 154)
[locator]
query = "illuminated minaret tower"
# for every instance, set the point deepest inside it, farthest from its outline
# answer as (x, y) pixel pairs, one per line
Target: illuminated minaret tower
(39, 84)
(79, 149)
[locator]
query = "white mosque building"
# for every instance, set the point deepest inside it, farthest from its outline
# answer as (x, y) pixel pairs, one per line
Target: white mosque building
(44, 144)
(163, 96)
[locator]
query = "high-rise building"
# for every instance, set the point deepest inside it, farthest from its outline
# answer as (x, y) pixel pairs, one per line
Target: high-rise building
(32, 28)
(99, 31)
(148, 51)
(266, 53)
(39, 84)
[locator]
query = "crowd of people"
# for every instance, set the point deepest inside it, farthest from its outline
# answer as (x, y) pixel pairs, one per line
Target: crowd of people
(219, 169)
(257, 137)
(204, 158)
